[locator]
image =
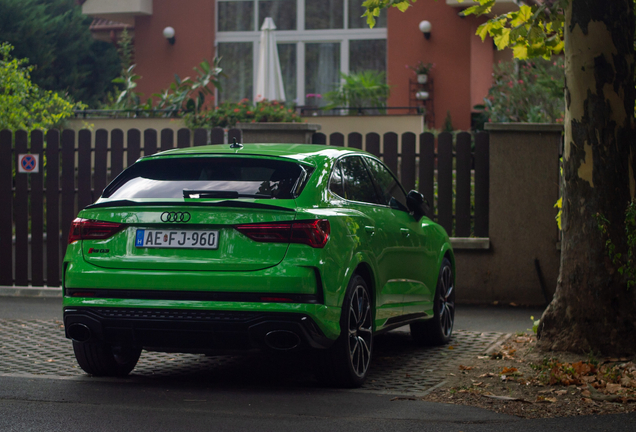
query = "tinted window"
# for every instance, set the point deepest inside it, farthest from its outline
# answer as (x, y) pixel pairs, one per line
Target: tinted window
(358, 184)
(336, 184)
(391, 192)
(168, 178)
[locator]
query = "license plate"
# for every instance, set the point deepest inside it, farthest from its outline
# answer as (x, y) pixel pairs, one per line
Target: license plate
(177, 239)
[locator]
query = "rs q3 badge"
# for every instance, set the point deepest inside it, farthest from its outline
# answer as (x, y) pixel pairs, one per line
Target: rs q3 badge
(175, 217)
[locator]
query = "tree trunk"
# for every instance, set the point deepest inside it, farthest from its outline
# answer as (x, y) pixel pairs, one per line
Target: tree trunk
(592, 310)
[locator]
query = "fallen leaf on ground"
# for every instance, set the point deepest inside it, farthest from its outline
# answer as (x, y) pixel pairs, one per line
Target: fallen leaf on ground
(505, 398)
(545, 399)
(462, 367)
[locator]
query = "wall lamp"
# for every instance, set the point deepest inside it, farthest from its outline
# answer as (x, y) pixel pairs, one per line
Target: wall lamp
(169, 33)
(425, 27)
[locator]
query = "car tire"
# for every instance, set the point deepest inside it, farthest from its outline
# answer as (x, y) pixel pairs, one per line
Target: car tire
(101, 359)
(347, 362)
(439, 329)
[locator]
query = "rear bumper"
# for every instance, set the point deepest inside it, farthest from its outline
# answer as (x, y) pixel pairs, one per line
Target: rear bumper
(175, 330)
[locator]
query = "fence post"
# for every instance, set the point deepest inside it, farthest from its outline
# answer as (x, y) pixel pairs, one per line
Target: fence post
(21, 215)
(390, 153)
(167, 139)
(150, 142)
(462, 197)
(355, 140)
(6, 209)
(407, 172)
(133, 146)
(37, 212)
(53, 208)
(116, 153)
(445, 181)
(373, 144)
(68, 184)
(84, 169)
(427, 167)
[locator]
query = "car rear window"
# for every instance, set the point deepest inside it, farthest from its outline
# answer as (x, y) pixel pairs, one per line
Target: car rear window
(209, 177)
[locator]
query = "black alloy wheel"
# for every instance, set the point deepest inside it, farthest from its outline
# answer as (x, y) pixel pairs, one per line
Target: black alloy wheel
(346, 363)
(439, 329)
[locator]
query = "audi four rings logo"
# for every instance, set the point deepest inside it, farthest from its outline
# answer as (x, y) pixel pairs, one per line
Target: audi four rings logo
(175, 217)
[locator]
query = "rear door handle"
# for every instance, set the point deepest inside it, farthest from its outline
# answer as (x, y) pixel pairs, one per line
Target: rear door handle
(370, 230)
(405, 232)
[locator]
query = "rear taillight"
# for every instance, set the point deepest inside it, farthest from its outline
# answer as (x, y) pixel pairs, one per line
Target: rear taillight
(86, 229)
(314, 233)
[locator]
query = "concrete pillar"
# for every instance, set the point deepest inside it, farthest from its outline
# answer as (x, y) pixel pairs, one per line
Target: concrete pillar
(522, 264)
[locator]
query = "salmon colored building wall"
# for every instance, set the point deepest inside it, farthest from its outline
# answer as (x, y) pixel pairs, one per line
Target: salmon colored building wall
(157, 60)
(463, 69)
(463, 64)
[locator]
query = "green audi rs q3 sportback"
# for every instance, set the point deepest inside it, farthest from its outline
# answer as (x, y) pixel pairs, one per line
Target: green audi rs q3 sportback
(271, 246)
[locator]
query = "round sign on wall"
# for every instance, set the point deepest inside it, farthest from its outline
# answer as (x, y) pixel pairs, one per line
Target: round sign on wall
(28, 163)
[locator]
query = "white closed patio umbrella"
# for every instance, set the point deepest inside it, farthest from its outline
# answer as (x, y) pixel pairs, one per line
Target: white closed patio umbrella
(269, 79)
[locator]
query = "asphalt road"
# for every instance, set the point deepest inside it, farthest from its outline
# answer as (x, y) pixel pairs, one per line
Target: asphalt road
(84, 403)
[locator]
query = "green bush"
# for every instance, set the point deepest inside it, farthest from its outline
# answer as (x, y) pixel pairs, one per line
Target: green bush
(360, 90)
(228, 114)
(526, 91)
(23, 105)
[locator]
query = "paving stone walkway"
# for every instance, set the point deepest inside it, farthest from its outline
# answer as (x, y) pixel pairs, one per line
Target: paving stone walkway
(39, 348)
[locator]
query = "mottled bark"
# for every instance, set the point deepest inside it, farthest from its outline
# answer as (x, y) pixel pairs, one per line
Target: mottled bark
(592, 310)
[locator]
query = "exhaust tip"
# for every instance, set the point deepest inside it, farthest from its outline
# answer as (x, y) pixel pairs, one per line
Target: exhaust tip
(282, 340)
(79, 332)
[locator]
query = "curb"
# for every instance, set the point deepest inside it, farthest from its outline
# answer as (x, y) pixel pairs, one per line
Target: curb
(28, 291)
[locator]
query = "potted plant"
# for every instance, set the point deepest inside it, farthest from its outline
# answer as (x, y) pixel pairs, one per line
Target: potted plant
(366, 89)
(422, 69)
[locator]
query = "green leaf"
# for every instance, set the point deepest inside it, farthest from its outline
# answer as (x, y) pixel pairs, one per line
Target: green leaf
(482, 30)
(520, 52)
(521, 17)
(503, 40)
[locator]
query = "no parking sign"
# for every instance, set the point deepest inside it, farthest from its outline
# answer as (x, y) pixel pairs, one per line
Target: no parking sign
(28, 163)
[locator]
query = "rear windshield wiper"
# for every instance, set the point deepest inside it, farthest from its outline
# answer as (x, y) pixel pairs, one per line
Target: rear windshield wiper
(206, 193)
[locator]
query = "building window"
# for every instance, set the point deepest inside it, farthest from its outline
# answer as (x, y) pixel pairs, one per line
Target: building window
(236, 16)
(283, 12)
(322, 70)
(324, 14)
(369, 54)
(317, 40)
(287, 58)
(237, 63)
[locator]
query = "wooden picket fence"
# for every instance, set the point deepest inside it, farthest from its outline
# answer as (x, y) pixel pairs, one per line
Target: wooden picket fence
(36, 209)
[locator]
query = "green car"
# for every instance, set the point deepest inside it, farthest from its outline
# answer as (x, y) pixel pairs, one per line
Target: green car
(279, 247)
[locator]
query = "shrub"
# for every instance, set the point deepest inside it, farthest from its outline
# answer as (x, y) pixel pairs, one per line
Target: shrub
(359, 90)
(228, 114)
(526, 91)
(23, 105)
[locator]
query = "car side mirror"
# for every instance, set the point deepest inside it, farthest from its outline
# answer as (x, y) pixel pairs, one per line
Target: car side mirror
(417, 204)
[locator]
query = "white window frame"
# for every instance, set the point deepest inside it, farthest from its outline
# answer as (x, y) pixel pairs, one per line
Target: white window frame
(300, 37)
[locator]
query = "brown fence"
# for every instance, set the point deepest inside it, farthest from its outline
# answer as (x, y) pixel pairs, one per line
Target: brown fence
(36, 209)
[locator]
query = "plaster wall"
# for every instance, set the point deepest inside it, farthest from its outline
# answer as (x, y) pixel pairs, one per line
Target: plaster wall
(461, 69)
(524, 176)
(157, 60)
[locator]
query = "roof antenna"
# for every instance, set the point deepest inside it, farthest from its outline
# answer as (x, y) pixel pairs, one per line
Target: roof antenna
(235, 145)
